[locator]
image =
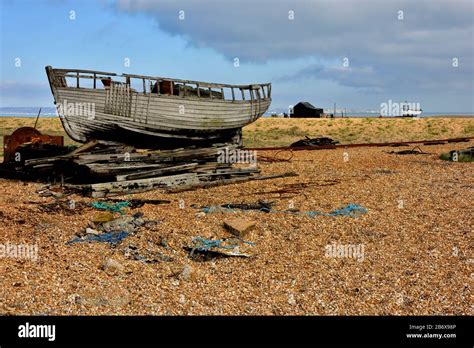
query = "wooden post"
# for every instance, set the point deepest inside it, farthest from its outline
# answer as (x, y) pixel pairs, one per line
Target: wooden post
(222, 91)
(243, 94)
(184, 90)
(77, 80)
(95, 80)
(37, 117)
(210, 92)
(198, 91)
(144, 86)
(233, 94)
(148, 104)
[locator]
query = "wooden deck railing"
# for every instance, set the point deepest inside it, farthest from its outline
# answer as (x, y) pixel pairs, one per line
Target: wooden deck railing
(256, 91)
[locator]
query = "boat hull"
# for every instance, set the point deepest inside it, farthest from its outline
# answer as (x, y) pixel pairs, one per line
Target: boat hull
(125, 115)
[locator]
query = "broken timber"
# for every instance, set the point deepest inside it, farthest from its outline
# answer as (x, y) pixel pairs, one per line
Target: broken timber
(102, 168)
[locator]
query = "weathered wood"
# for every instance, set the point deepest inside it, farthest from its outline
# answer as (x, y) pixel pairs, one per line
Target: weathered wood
(87, 146)
(156, 172)
(141, 185)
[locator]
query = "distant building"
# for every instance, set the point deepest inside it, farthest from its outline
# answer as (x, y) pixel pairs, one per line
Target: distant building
(306, 110)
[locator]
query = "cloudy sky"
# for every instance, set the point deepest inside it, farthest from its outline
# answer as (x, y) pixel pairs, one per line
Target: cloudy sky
(356, 53)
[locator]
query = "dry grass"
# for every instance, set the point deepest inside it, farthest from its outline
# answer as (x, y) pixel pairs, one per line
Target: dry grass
(417, 258)
(268, 132)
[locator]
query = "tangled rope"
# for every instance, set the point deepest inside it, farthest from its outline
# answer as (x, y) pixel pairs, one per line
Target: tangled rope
(114, 208)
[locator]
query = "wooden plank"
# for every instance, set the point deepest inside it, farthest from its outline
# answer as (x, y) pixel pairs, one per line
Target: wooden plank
(141, 185)
(155, 172)
(85, 147)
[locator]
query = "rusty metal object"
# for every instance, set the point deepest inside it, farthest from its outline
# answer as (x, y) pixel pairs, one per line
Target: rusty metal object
(275, 158)
(25, 135)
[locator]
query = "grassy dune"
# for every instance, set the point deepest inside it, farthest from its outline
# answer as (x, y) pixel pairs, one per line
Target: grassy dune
(279, 131)
(267, 132)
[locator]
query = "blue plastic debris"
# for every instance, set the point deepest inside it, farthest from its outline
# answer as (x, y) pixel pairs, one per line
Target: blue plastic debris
(352, 210)
(202, 244)
(111, 238)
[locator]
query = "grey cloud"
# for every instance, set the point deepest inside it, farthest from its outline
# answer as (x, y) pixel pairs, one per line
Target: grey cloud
(261, 30)
(382, 50)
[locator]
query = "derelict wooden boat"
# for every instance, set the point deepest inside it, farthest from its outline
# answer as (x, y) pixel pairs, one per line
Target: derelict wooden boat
(153, 111)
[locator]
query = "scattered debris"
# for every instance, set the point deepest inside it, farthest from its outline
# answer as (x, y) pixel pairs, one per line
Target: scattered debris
(164, 243)
(385, 171)
(352, 210)
(104, 168)
(113, 267)
(102, 217)
(200, 214)
(31, 144)
(67, 207)
(114, 208)
(415, 151)
(239, 227)
(466, 155)
(321, 141)
(110, 237)
(216, 209)
(138, 203)
(230, 207)
(275, 159)
(92, 231)
(49, 191)
(132, 251)
(186, 273)
(126, 223)
(291, 299)
(222, 247)
(113, 231)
